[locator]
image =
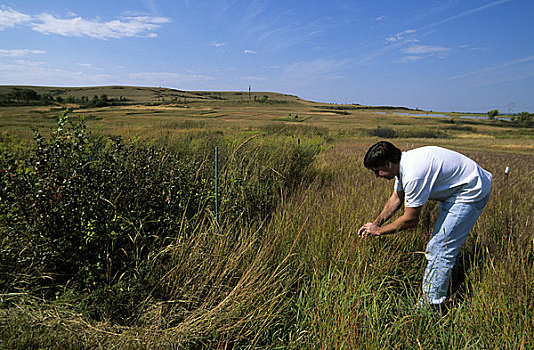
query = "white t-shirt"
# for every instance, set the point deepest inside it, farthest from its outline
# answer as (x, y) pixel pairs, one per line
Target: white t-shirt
(435, 173)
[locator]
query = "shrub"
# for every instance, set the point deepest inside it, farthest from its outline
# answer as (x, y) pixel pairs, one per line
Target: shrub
(90, 211)
(524, 117)
(493, 113)
(383, 132)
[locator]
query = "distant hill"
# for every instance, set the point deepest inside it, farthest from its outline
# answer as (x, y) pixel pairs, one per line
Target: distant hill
(100, 96)
(136, 94)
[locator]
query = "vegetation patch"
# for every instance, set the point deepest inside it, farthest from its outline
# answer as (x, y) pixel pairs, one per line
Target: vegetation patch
(110, 238)
(88, 216)
(427, 133)
(457, 127)
(389, 133)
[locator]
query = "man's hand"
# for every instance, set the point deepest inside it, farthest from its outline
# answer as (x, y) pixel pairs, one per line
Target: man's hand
(369, 229)
(409, 219)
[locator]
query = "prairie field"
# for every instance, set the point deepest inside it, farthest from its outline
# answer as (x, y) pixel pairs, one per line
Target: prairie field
(117, 233)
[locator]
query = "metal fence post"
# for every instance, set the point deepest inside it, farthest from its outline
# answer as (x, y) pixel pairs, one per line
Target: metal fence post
(217, 184)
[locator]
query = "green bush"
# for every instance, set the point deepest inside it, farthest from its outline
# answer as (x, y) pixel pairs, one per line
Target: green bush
(383, 132)
(90, 210)
(493, 113)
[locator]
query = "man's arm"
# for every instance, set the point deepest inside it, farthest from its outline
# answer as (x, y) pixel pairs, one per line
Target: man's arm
(409, 219)
(392, 205)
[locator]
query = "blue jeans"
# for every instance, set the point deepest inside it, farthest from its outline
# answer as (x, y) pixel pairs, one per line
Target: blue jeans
(454, 223)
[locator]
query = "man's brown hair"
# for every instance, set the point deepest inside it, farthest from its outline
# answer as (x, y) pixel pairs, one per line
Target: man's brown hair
(380, 154)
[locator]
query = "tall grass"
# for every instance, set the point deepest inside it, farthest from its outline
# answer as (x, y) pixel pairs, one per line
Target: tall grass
(301, 278)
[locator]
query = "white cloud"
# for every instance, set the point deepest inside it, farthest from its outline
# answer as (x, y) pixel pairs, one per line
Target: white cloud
(20, 52)
(418, 52)
(424, 49)
(10, 17)
(249, 52)
(218, 45)
(135, 26)
(400, 36)
(380, 18)
(119, 28)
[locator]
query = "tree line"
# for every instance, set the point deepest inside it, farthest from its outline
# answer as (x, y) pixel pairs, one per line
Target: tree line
(29, 97)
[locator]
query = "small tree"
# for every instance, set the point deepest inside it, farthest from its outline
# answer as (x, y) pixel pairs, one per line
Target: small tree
(493, 113)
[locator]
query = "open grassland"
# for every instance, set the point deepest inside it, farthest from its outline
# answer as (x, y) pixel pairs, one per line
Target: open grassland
(157, 112)
(112, 242)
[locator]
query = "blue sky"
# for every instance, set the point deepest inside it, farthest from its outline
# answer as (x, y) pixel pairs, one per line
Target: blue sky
(448, 55)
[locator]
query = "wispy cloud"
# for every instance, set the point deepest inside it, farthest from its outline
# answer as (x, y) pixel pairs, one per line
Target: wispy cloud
(11, 18)
(254, 9)
(30, 63)
(303, 73)
(217, 45)
(39, 73)
(250, 52)
(466, 13)
(253, 78)
(507, 79)
(280, 29)
(424, 49)
(371, 56)
(493, 68)
(20, 52)
(419, 52)
(380, 18)
(400, 36)
(162, 78)
(134, 26)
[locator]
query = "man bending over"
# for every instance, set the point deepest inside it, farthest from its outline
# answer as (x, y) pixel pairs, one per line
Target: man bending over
(430, 173)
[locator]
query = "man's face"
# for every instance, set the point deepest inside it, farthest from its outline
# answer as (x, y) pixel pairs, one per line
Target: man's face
(384, 171)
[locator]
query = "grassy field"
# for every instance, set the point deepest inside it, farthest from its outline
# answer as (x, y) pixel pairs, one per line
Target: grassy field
(283, 268)
(150, 113)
